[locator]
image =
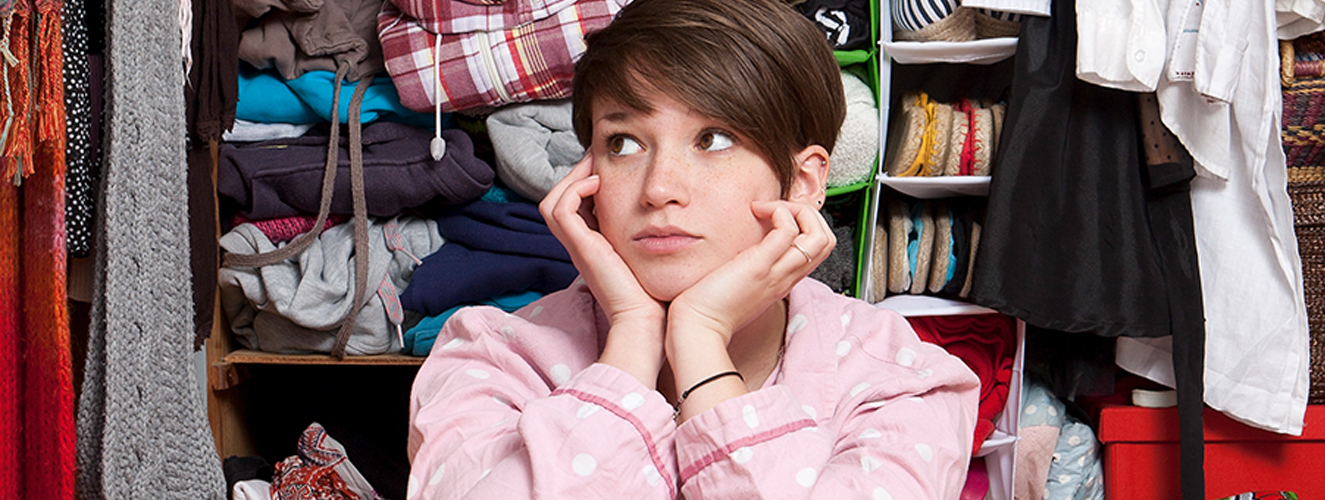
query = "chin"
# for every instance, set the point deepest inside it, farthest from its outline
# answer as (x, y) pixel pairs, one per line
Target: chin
(667, 286)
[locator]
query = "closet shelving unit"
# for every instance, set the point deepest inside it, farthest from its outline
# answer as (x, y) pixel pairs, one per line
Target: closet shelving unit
(999, 449)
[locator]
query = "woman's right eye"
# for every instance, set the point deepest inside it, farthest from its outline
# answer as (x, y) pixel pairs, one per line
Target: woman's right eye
(621, 145)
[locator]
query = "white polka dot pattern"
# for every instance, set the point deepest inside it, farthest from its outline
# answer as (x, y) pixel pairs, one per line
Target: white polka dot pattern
(809, 410)
(437, 474)
(632, 401)
(906, 356)
(586, 410)
(477, 373)
(796, 323)
(742, 455)
(806, 477)
(926, 453)
(80, 174)
(412, 489)
(859, 387)
(651, 475)
(751, 418)
(583, 464)
(870, 434)
(881, 494)
(560, 374)
(869, 464)
(453, 343)
(842, 348)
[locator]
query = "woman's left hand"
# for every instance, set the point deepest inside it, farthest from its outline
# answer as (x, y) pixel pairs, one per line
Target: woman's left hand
(732, 295)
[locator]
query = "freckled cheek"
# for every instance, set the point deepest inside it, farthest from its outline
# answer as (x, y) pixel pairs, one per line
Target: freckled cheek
(611, 221)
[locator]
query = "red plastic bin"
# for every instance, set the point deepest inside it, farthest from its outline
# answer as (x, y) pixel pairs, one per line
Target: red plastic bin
(1141, 455)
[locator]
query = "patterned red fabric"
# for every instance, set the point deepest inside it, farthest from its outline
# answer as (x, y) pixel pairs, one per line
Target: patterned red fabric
(287, 228)
(987, 343)
(315, 472)
(302, 481)
(36, 375)
(487, 68)
(461, 16)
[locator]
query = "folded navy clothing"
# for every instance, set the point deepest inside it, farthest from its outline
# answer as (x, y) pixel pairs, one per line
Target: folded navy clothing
(283, 178)
(491, 249)
(512, 228)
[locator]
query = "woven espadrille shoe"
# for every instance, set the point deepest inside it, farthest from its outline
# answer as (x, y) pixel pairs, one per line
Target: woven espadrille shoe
(959, 144)
(970, 267)
(921, 247)
(961, 249)
(880, 258)
(983, 143)
(932, 21)
(998, 110)
(899, 230)
(996, 24)
(905, 160)
(940, 131)
(940, 267)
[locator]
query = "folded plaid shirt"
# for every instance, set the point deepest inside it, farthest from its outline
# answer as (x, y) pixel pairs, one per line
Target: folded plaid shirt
(464, 16)
(516, 62)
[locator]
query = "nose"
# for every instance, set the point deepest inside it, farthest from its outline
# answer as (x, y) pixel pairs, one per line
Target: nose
(667, 181)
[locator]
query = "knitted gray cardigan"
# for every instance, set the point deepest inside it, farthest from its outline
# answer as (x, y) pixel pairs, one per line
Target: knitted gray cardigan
(142, 430)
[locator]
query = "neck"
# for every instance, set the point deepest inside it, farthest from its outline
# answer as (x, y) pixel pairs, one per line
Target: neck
(754, 349)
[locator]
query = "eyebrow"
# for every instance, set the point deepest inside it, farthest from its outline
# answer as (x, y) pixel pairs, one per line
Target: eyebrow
(615, 116)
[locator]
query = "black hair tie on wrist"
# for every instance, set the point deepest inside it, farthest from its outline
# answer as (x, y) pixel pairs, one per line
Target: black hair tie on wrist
(699, 384)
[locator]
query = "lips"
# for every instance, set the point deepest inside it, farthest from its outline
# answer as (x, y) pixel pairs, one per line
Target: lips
(664, 239)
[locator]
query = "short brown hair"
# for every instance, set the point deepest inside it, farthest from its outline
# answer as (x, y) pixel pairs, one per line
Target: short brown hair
(757, 66)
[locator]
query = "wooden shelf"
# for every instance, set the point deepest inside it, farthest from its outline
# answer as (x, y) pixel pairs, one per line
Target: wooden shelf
(251, 357)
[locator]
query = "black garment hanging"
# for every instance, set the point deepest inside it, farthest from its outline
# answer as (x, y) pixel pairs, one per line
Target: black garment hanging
(1081, 234)
(210, 96)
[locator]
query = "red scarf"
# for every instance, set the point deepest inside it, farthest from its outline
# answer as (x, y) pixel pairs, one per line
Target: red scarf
(36, 377)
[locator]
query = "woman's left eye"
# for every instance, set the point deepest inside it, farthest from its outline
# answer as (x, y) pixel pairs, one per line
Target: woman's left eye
(715, 141)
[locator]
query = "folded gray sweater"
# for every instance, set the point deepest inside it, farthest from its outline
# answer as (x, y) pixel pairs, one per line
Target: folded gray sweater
(297, 305)
(535, 145)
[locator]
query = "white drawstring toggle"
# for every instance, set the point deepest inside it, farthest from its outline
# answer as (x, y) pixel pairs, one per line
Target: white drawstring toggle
(438, 148)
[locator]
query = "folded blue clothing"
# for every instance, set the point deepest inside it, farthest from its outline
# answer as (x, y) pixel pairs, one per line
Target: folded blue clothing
(266, 97)
(513, 228)
(491, 249)
(419, 340)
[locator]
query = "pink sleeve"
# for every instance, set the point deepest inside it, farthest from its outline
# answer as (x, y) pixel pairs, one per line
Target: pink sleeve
(489, 420)
(901, 431)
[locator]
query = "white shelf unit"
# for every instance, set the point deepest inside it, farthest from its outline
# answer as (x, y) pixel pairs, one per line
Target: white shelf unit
(999, 449)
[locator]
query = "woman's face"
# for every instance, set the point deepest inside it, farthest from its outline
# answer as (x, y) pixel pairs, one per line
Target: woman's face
(675, 192)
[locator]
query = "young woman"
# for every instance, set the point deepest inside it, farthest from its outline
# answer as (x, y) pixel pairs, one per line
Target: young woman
(694, 358)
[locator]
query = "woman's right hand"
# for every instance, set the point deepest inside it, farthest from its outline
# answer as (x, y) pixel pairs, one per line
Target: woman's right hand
(638, 321)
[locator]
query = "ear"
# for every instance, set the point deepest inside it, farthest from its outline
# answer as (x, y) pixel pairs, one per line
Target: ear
(809, 181)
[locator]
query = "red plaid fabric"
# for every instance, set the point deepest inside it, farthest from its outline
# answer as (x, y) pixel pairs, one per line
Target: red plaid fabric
(480, 68)
(465, 16)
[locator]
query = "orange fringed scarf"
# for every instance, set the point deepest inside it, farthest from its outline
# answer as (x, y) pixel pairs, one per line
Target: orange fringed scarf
(36, 378)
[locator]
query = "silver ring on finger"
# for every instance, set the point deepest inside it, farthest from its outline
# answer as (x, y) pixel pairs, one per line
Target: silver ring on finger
(808, 259)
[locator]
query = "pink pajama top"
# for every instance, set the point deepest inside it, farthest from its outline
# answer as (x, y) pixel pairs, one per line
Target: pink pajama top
(515, 406)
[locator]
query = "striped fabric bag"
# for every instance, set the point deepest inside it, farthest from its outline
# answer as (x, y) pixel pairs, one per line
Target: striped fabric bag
(455, 55)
